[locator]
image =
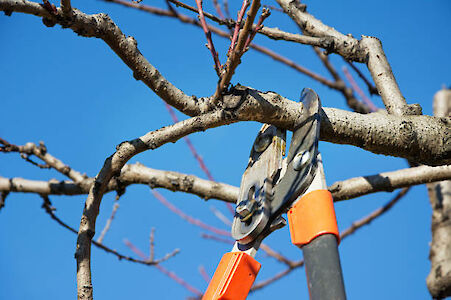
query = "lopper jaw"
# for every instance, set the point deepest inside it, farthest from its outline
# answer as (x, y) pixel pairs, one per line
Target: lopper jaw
(271, 184)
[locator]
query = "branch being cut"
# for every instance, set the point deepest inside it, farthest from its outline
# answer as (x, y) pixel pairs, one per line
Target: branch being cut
(174, 181)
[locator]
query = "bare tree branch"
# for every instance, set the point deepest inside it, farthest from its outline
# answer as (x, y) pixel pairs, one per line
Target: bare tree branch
(371, 88)
(49, 209)
(41, 152)
(277, 34)
(372, 216)
(237, 51)
(368, 50)
(439, 278)
(110, 220)
(351, 100)
(139, 174)
(358, 90)
(388, 181)
(66, 6)
(163, 270)
(207, 32)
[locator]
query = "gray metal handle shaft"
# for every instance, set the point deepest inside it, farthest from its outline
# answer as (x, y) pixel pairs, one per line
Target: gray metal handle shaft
(322, 265)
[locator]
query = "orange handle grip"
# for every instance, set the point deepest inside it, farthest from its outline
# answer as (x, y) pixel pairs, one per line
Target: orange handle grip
(233, 277)
(313, 215)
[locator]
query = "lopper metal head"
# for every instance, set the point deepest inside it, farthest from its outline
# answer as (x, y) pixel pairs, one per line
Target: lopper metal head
(270, 185)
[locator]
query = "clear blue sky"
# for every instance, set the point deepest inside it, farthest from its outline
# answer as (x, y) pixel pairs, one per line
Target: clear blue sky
(78, 97)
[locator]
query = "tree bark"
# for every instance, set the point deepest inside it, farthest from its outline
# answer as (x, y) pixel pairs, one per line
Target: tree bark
(439, 279)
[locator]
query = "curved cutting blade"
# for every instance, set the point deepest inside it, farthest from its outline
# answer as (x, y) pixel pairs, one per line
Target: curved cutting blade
(301, 158)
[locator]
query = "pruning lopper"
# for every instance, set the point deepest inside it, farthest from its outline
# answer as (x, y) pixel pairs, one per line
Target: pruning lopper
(271, 186)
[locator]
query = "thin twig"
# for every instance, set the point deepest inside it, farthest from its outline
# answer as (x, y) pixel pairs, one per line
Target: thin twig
(236, 30)
(274, 55)
(348, 93)
(49, 209)
(196, 155)
(152, 244)
(148, 260)
(3, 196)
(358, 90)
(265, 14)
(190, 145)
(234, 58)
(207, 32)
(217, 238)
(371, 88)
(204, 274)
(40, 151)
(220, 216)
(273, 253)
(163, 270)
(179, 280)
(225, 3)
(110, 220)
(376, 213)
(218, 9)
(187, 217)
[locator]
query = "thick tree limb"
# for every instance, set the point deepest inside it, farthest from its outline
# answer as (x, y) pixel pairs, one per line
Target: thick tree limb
(130, 174)
(388, 181)
(439, 279)
(174, 181)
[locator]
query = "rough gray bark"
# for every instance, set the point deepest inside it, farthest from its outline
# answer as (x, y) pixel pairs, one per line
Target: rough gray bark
(439, 279)
(206, 189)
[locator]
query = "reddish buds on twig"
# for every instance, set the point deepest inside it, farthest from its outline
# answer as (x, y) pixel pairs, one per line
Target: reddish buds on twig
(50, 7)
